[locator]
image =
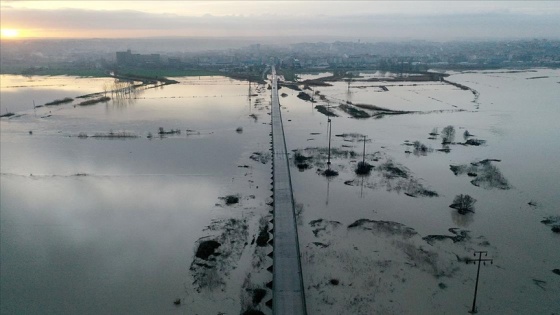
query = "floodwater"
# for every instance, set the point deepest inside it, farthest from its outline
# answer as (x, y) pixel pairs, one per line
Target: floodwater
(97, 225)
(110, 226)
(392, 273)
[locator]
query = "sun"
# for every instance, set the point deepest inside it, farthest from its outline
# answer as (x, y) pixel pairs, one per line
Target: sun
(10, 33)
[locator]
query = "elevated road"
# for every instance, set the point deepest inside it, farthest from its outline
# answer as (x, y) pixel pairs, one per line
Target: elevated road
(288, 296)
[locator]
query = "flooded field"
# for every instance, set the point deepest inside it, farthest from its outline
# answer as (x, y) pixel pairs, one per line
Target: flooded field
(156, 202)
(96, 223)
(389, 242)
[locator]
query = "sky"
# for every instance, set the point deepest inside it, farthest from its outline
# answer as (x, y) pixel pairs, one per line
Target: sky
(444, 20)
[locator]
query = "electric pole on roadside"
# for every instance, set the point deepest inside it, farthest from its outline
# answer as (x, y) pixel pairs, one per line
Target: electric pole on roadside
(478, 260)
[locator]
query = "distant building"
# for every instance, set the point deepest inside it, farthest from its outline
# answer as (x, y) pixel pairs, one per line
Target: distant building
(127, 58)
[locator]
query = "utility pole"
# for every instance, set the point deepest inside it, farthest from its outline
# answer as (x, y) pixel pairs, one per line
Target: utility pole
(364, 153)
(329, 123)
(312, 95)
(478, 260)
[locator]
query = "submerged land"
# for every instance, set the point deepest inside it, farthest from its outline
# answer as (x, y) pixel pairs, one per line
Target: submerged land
(169, 188)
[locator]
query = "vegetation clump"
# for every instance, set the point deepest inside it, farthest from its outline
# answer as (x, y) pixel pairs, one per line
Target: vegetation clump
(364, 168)
(263, 237)
(207, 248)
(447, 135)
(163, 132)
(300, 158)
(231, 199)
(61, 101)
(458, 236)
(258, 295)
(354, 112)
(323, 110)
(474, 142)
(95, 101)
(463, 204)
(8, 114)
(380, 112)
(300, 161)
(330, 173)
(485, 174)
(110, 135)
(420, 148)
(304, 96)
(553, 222)
(392, 170)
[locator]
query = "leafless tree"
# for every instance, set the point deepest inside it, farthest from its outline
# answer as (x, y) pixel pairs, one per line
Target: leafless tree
(448, 134)
(463, 203)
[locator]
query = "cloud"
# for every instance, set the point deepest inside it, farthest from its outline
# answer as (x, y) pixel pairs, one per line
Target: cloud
(131, 23)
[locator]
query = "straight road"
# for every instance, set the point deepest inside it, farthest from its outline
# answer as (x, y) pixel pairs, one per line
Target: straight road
(288, 295)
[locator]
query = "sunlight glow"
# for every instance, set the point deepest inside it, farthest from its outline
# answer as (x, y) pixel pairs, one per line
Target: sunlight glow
(10, 33)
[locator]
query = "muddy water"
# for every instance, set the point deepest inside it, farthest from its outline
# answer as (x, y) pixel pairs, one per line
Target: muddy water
(94, 225)
(515, 115)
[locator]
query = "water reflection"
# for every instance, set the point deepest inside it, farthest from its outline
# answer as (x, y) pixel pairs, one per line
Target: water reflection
(462, 220)
(87, 246)
(108, 227)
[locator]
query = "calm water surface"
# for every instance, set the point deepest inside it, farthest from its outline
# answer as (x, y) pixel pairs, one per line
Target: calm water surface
(101, 226)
